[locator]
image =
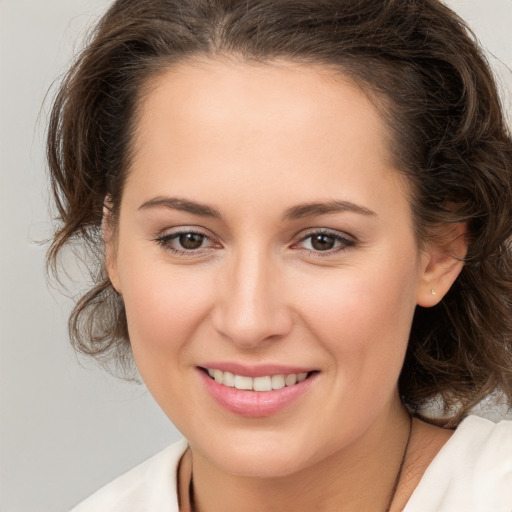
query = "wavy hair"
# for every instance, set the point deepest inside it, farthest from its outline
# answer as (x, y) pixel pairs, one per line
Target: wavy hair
(432, 85)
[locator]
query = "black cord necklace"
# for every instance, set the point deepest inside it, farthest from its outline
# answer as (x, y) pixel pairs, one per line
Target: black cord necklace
(400, 468)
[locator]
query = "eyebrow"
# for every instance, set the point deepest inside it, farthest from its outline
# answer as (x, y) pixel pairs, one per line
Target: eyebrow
(310, 209)
(295, 212)
(184, 205)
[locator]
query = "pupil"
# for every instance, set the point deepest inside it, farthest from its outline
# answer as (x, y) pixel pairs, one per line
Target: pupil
(191, 240)
(322, 242)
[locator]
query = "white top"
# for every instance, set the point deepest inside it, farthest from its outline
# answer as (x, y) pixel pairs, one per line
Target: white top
(471, 473)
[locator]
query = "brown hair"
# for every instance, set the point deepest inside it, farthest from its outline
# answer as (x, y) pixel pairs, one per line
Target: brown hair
(448, 137)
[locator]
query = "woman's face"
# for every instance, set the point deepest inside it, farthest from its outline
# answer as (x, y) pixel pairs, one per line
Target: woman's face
(264, 234)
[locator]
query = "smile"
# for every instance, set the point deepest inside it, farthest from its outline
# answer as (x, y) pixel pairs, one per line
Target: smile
(256, 392)
(262, 384)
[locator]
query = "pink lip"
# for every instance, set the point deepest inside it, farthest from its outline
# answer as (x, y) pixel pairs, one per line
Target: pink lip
(255, 404)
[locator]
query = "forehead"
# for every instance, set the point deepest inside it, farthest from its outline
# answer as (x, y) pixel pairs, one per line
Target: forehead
(295, 127)
(271, 96)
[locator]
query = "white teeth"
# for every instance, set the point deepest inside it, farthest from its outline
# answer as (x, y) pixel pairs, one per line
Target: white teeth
(262, 383)
(290, 379)
(242, 382)
(266, 383)
(278, 381)
(228, 379)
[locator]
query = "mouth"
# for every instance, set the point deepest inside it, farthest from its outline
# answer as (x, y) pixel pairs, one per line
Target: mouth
(261, 384)
(256, 391)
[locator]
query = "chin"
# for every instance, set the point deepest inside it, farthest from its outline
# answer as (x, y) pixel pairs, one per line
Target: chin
(259, 458)
(267, 466)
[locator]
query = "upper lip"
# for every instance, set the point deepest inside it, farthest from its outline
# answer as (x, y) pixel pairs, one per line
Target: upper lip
(260, 370)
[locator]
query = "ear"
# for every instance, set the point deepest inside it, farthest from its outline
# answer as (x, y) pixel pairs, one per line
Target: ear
(441, 263)
(109, 239)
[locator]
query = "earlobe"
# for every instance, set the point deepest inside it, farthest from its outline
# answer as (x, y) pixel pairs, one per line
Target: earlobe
(441, 263)
(109, 240)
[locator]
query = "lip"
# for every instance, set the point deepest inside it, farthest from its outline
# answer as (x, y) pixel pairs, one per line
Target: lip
(255, 404)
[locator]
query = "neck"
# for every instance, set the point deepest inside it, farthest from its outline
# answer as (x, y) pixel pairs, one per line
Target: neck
(359, 477)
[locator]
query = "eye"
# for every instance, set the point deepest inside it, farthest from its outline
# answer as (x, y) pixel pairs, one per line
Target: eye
(185, 241)
(326, 242)
(190, 241)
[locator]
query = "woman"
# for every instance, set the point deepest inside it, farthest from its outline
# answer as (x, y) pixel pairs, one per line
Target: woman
(301, 213)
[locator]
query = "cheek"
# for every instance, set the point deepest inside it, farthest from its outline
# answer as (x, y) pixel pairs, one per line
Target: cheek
(363, 316)
(164, 306)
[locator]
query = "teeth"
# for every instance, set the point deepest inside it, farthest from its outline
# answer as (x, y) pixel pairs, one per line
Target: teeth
(290, 379)
(243, 382)
(262, 384)
(278, 381)
(266, 383)
(228, 379)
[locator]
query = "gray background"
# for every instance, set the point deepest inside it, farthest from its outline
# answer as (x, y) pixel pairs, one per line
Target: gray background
(66, 428)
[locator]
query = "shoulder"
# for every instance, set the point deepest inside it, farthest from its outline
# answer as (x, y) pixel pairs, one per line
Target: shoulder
(150, 486)
(483, 448)
(472, 472)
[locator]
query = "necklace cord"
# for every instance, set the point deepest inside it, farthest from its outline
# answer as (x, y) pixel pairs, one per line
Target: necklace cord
(400, 468)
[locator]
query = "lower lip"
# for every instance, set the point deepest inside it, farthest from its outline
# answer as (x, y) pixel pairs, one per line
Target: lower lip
(256, 404)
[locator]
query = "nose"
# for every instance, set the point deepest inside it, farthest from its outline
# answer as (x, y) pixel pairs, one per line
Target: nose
(252, 308)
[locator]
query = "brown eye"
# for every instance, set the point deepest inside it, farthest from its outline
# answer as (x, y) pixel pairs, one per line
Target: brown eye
(322, 242)
(191, 241)
(187, 243)
(326, 242)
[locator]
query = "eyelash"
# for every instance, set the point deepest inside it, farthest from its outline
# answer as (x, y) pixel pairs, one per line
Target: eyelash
(166, 240)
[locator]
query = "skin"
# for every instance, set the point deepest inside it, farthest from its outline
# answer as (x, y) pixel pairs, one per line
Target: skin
(253, 141)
